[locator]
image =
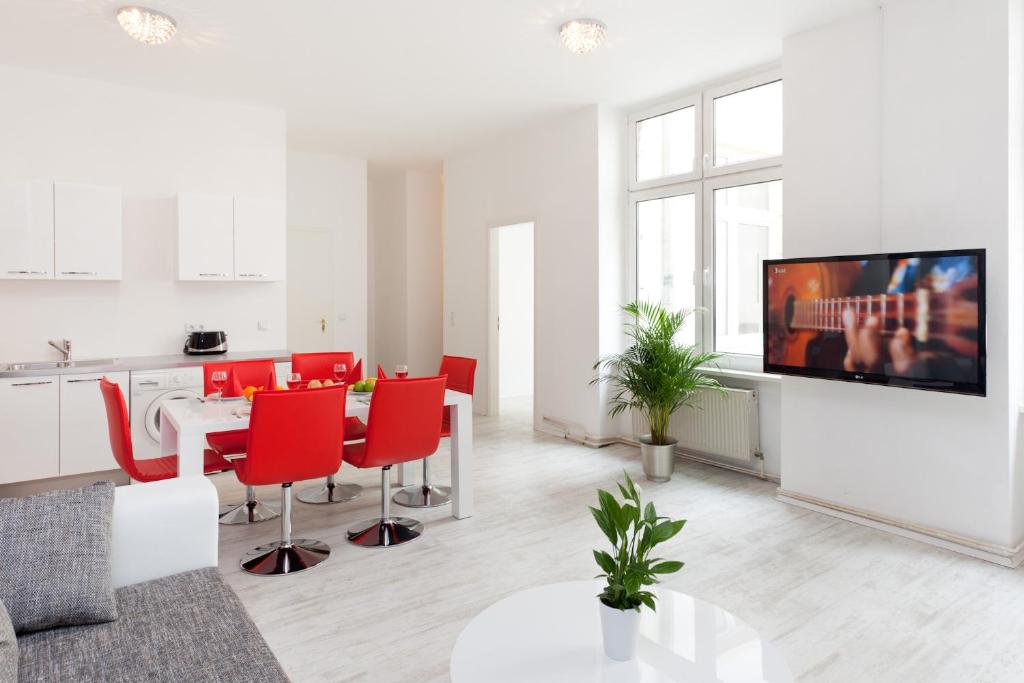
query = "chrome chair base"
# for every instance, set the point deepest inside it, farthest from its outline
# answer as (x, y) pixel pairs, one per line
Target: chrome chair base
(385, 533)
(248, 512)
(425, 496)
(329, 493)
(279, 558)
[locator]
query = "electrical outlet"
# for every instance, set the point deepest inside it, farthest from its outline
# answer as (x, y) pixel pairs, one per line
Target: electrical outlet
(262, 325)
(190, 327)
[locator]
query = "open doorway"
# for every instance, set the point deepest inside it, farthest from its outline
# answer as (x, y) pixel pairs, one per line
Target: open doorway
(511, 339)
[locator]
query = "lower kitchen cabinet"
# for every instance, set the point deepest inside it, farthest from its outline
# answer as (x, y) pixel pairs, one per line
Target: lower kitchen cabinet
(30, 428)
(84, 440)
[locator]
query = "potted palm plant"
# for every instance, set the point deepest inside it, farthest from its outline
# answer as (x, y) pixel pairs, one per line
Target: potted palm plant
(655, 375)
(629, 569)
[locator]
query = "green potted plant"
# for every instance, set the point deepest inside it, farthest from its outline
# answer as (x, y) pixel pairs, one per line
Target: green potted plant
(655, 375)
(634, 531)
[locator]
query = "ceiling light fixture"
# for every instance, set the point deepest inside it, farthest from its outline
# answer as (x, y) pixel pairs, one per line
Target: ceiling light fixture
(146, 25)
(582, 35)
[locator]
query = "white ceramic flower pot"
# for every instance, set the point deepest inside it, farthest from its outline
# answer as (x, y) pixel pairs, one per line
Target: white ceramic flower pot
(621, 630)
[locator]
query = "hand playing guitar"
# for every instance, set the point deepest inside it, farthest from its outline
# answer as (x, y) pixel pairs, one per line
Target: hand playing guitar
(866, 351)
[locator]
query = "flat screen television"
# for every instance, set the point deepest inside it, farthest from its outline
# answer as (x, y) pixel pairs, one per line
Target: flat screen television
(913, 319)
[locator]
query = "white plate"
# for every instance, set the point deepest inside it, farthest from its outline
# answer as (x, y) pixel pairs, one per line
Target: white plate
(213, 398)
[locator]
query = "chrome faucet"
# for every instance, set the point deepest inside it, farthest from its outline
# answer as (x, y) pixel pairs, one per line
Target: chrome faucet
(64, 346)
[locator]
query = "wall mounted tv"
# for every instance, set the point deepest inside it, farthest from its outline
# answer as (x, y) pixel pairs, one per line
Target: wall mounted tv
(912, 320)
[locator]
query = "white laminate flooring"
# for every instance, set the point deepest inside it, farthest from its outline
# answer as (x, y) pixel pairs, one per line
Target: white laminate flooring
(843, 602)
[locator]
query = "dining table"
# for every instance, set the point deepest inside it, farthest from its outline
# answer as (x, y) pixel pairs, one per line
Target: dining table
(185, 423)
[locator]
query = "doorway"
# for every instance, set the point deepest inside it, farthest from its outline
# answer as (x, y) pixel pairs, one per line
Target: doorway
(310, 291)
(511, 369)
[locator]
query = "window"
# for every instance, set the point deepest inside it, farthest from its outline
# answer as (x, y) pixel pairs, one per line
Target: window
(701, 231)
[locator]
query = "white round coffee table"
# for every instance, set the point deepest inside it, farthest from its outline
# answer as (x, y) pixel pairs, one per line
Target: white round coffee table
(552, 634)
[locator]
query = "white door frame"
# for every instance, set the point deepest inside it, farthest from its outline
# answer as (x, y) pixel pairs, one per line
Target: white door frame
(493, 347)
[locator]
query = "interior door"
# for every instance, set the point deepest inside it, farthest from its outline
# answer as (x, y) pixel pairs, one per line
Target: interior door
(310, 291)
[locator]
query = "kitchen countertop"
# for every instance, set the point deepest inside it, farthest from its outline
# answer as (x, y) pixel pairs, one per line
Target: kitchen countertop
(138, 363)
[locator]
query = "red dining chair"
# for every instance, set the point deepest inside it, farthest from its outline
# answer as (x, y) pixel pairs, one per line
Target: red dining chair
(259, 372)
(148, 469)
(293, 435)
(321, 366)
(404, 424)
(461, 373)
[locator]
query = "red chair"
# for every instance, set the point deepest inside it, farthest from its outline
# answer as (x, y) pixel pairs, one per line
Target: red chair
(293, 435)
(149, 469)
(461, 373)
(404, 424)
(242, 373)
(321, 366)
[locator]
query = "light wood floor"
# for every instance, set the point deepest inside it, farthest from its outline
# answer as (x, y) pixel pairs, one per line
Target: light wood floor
(843, 602)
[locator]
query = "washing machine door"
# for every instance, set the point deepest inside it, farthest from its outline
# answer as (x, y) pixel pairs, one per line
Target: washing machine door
(152, 419)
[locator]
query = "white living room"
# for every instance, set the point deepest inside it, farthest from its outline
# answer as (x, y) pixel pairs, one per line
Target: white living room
(504, 342)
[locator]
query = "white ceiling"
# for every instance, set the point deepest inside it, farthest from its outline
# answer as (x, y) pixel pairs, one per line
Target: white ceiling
(410, 80)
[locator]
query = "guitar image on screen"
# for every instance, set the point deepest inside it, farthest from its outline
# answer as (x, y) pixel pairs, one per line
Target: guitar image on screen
(811, 302)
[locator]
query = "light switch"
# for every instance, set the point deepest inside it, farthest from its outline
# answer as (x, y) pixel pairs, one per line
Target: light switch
(342, 317)
(262, 325)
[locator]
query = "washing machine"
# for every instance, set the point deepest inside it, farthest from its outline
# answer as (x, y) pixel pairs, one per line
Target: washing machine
(150, 389)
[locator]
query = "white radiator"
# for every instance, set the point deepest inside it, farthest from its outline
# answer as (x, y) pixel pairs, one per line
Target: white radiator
(723, 424)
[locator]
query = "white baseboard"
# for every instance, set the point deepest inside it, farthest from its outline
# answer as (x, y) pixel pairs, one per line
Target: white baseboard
(1002, 555)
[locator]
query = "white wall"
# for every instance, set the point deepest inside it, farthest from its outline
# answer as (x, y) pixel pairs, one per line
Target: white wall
(152, 145)
(515, 309)
(424, 271)
(406, 268)
(894, 142)
(547, 174)
(330, 192)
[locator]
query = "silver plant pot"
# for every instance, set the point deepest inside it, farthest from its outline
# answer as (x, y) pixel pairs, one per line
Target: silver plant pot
(658, 460)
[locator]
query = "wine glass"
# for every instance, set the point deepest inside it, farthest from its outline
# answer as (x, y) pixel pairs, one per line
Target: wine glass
(401, 371)
(340, 371)
(218, 379)
(294, 380)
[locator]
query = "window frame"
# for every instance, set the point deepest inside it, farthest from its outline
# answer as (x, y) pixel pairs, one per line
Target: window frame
(733, 360)
(702, 183)
(708, 132)
(694, 101)
(654, 193)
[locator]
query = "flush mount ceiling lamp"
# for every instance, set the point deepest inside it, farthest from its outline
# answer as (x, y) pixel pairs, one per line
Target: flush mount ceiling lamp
(582, 35)
(146, 25)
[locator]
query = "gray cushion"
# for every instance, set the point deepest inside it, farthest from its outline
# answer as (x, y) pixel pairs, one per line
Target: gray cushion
(186, 627)
(56, 558)
(8, 647)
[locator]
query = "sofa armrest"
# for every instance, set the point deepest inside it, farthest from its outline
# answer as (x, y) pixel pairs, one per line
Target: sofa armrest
(163, 528)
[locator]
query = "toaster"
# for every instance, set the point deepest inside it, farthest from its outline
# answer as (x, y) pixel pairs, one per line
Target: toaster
(199, 343)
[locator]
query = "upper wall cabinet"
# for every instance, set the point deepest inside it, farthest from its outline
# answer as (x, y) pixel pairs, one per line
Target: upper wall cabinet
(87, 232)
(260, 239)
(206, 241)
(26, 230)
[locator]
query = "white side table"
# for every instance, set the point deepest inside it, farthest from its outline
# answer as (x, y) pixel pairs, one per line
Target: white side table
(552, 634)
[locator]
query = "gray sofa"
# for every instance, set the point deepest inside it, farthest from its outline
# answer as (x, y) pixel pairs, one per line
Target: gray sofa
(177, 618)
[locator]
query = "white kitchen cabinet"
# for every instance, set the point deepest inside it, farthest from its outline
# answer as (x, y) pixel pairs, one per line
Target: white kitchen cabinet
(86, 232)
(260, 239)
(29, 428)
(206, 237)
(84, 439)
(26, 230)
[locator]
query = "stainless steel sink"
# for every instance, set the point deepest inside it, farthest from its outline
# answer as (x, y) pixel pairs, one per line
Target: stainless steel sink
(55, 364)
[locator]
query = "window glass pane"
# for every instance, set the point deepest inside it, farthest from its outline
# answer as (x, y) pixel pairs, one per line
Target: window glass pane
(748, 229)
(748, 125)
(664, 145)
(665, 258)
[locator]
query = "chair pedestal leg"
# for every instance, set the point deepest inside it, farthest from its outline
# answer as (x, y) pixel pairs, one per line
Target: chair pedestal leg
(330, 492)
(387, 531)
(424, 496)
(287, 556)
(249, 512)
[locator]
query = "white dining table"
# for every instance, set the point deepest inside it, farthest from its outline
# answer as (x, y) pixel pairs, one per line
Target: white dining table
(185, 423)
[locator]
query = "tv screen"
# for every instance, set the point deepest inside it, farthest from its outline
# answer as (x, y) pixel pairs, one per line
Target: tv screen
(912, 320)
